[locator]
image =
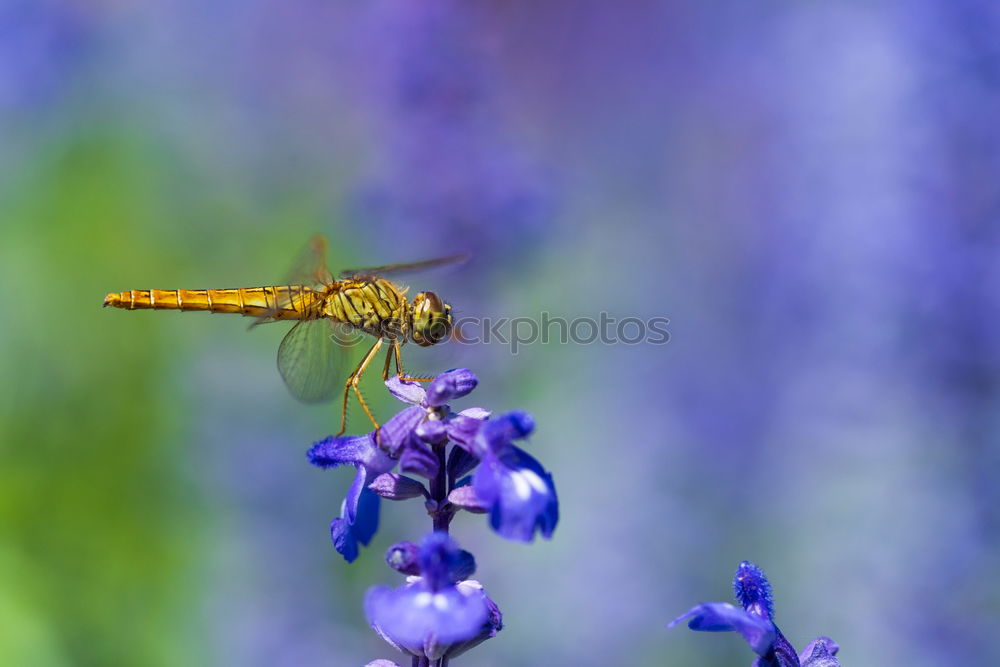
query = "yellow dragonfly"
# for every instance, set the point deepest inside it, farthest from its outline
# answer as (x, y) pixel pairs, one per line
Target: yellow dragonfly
(310, 354)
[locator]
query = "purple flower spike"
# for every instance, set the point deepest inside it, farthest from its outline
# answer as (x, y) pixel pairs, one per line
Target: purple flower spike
(432, 615)
(754, 622)
(519, 492)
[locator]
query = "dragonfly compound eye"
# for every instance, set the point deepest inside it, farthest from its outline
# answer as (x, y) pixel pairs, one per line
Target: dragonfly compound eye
(431, 319)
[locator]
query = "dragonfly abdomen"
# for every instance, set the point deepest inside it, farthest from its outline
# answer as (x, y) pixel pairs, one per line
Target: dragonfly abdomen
(286, 302)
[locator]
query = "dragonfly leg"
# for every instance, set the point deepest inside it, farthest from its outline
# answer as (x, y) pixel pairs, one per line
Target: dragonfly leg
(398, 352)
(357, 378)
(388, 358)
(352, 383)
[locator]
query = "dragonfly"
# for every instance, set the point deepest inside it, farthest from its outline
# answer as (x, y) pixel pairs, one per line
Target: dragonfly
(310, 356)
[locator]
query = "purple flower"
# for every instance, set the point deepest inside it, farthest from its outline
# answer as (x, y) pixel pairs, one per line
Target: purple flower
(433, 615)
(358, 519)
(516, 490)
(411, 434)
(754, 622)
(347, 535)
(409, 439)
(405, 557)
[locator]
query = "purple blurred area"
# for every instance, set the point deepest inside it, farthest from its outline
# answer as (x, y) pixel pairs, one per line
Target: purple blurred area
(809, 191)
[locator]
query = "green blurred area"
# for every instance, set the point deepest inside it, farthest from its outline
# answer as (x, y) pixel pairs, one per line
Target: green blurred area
(102, 527)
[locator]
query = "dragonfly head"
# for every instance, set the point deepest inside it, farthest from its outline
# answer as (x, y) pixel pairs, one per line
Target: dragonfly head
(431, 319)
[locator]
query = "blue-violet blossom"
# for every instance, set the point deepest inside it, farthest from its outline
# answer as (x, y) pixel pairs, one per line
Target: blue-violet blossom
(434, 615)
(358, 519)
(519, 494)
(509, 484)
(754, 622)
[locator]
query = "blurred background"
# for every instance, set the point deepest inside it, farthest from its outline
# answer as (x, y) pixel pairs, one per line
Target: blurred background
(810, 192)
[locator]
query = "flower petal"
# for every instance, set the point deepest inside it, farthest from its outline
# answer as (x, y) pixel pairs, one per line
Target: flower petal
(332, 452)
(493, 625)
(782, 653)
(463, 566)
(460, 462)
(418, 459)
(414, 616)
(462, 430)
(433, 432)
(820, 652)
(455, 383)
(496, 434)
(350, 511)
(520, 493)
(464, 497)
(392, 486)
(408, 391)
(723, 617)
(343, 539)
(381, 663)
(438, 554)
(395, 433)
(366, 523)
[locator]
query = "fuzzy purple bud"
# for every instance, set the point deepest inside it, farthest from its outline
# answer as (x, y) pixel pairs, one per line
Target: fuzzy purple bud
(753, 590)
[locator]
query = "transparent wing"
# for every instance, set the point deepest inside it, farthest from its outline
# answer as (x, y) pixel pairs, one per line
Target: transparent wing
(310, 266)
(390, 269)
(312, 362)
(309, 269)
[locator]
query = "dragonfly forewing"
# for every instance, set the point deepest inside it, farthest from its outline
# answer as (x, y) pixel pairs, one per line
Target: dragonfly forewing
(407, 267)
(308, 271)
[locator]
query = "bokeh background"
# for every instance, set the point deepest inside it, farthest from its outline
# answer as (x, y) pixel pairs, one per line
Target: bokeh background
(810, 191)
